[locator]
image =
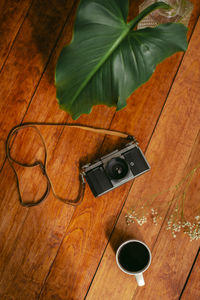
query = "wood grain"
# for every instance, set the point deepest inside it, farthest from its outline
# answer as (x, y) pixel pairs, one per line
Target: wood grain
(27, 61)
(12, 14)
(23, 268)
(82, 247)
(28, 274)
(168, 153)
(36, 262)
(172, 260)
(192, 289)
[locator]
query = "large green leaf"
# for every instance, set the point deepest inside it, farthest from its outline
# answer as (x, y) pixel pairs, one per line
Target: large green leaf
(107, 59)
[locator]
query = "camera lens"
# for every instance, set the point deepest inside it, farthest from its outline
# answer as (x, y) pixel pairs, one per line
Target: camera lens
(117, 168)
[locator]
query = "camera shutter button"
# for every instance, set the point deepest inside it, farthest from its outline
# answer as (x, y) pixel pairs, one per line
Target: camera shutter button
(131, 163)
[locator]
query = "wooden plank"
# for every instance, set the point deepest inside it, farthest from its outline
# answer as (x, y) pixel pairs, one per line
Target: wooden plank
(12, 14)
(23, 269)
(27, 61)
(168, 153)
(192, 289)
(33, 236)
(93, 221)
(172, 258)
(24, 245)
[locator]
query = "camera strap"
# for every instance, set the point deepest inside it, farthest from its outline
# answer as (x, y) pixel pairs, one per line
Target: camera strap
(43, 164)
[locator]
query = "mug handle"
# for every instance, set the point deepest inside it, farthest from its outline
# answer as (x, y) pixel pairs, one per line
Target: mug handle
(140, 279)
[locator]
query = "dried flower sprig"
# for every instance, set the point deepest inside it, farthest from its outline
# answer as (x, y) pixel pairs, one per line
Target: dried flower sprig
(176, 221)
(133, 217)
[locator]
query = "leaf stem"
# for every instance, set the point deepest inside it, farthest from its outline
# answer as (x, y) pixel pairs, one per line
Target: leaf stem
(147, 11)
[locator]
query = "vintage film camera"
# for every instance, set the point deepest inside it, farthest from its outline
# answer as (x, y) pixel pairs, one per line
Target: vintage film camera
(116, 168)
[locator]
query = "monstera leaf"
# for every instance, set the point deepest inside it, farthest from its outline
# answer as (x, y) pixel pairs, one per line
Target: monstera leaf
(107, 59)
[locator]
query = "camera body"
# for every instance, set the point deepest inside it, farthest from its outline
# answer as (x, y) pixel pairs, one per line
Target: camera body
(115, 169)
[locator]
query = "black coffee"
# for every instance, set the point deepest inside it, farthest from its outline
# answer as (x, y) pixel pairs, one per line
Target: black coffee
(133, 257)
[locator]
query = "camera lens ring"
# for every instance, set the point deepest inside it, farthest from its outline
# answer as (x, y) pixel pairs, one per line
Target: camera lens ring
(117, 168)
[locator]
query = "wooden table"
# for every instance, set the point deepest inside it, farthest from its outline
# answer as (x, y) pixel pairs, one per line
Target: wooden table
(56, 251)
